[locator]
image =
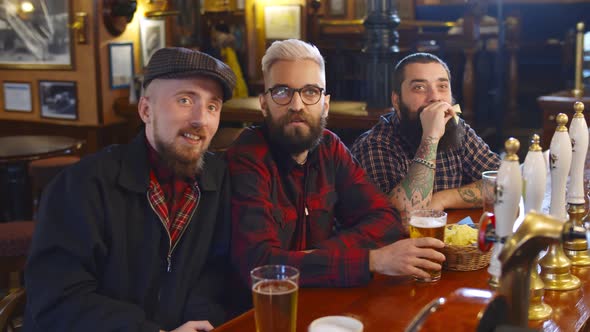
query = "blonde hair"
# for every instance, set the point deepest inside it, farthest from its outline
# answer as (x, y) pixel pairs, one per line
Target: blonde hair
(291, 50)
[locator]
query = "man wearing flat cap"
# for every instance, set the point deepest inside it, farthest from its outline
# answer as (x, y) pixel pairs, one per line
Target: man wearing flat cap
(135, 237)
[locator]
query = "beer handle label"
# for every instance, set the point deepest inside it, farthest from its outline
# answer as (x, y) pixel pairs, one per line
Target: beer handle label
(560, 159)
(534, 177)
(578, 133)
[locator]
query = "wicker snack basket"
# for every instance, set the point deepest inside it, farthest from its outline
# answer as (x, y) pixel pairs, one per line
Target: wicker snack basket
(465, 258)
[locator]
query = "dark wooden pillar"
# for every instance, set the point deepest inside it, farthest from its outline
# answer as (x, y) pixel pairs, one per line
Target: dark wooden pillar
(381, 52)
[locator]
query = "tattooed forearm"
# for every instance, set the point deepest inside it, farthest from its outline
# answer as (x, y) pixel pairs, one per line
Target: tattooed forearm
(427, 149)
(471, 194)
(415, 190)
(419, 179)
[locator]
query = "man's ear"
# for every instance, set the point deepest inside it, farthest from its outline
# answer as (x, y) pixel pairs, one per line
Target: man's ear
(263, 105)
(395, 100)
(144, 109)
(326, 106)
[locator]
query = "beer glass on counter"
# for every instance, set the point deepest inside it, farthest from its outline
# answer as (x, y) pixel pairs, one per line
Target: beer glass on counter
(488, 190)
(274, 294)
(428, 223)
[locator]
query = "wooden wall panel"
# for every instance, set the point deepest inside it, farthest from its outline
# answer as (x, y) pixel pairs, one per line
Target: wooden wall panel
(83, 73)
(91, 71)
(131, 34)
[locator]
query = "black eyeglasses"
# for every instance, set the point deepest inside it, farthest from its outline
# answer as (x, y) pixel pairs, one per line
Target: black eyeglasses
(282, 95)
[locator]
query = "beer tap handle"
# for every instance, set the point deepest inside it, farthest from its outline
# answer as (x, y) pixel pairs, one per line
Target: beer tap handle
(534, 176)
(508, 189)
(578, 133)
(560, 161)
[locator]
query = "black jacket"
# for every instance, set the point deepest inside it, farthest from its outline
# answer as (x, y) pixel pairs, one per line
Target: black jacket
(98, 259)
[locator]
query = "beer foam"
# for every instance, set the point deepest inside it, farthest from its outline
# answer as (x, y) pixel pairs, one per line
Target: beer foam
(426, 222)
(275, 287)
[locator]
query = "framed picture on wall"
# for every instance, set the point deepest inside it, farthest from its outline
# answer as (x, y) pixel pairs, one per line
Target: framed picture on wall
(153, 37)
(405, 9)
(17, 97)
(337, 7)
(121, 68)
(58, 99)
(35, 36)
(282, 22)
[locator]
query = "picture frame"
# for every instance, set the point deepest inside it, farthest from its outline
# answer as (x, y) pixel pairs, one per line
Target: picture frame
(285, 21)
(36, 37)
(58, 100)
(153, 37)
(405, 9)
(121, 68)
(337, 8)
(17, 97)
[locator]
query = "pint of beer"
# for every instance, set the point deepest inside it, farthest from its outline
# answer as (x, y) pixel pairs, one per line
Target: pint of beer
(274, 293)
(428, 223)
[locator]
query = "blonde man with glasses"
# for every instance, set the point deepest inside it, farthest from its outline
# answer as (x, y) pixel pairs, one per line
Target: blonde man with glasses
(298, 197)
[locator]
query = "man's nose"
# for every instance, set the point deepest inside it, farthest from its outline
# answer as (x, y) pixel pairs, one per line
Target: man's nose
(296, 102)
(199, 116)
(433, 95)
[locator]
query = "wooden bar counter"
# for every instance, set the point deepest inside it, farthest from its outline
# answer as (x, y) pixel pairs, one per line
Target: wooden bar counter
(390, 303)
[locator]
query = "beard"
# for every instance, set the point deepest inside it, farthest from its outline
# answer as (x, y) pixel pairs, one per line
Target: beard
(183, 161)
(297, 141)
(411, 129)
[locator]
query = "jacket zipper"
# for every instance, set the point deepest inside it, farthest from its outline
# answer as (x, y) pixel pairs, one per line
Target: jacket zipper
(184, 228)
(170, 247)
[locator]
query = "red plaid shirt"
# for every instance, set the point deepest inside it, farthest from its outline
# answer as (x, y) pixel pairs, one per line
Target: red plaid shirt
(171, 196)
(321, 218)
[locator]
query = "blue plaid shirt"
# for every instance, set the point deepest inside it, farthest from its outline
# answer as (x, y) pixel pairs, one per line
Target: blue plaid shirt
(386, 156)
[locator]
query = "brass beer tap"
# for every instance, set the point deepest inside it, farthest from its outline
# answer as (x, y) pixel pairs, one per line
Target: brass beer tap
(577, 250)
(534, 182)
(555, 266)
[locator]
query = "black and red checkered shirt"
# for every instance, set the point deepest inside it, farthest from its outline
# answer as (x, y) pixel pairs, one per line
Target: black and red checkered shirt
(170, 195)
(281, 210)
(386, 156)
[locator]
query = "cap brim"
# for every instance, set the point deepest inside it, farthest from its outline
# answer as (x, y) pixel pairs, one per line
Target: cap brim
(225, 85)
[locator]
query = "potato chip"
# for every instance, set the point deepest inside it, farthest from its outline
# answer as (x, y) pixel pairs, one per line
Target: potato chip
(457, 109)
(460, 235)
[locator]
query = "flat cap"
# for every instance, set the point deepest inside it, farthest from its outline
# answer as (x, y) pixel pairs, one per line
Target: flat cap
(179, 62)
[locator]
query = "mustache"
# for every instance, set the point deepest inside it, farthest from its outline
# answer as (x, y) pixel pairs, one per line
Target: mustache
(296, 116)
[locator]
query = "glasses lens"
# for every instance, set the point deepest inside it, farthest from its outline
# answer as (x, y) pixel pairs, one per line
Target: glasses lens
(311, 94)
(281, 95)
